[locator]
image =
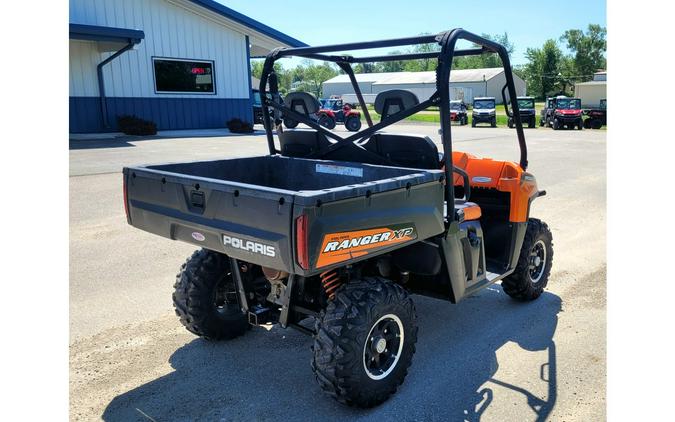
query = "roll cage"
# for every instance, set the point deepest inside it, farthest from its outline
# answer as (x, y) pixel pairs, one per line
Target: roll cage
(441, 97)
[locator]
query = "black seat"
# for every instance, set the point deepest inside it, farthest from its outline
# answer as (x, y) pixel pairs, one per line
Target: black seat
(405, 150)
(388, 103)
(302, 103)
(301, 142)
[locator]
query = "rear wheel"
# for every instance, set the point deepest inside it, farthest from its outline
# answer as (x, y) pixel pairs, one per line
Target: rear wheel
(353, 124)
(533, 123)
(596, 124)
(587, 124)
(529, 279)
(205, 297)
(365, 342)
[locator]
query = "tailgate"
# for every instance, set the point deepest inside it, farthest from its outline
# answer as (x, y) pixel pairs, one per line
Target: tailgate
(246, 222)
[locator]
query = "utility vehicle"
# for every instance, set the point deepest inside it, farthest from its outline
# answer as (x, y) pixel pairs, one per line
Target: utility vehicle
(597, 117)
(330, 235)
(484, 111)
(527, 113)
(562, 112)
(458, 112)
(331, 112)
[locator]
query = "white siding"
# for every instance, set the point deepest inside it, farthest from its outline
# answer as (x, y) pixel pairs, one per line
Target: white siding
(170, 31)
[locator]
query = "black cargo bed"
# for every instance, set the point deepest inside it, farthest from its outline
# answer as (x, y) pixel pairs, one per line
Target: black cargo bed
(254, 201)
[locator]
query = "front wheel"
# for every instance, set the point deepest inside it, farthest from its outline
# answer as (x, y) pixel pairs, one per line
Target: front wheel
(365, 342)
(530, 277)
(205, 297)
(510, 123)
(556, 124)
(494, 122)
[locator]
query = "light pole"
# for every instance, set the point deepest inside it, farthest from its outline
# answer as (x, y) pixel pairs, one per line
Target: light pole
(485, 89)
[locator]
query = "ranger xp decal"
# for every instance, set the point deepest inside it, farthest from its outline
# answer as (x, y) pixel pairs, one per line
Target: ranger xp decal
(338, 247)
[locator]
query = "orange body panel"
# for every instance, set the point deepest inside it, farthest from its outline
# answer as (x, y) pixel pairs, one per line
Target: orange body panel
(504, 176)
(472, 213)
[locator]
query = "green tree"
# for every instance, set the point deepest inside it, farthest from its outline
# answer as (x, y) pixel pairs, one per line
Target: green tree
(542, 69)
(486, 60)
(312, 76)
(588, 50)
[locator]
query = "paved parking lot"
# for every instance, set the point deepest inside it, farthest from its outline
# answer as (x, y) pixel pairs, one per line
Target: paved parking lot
(487, 358)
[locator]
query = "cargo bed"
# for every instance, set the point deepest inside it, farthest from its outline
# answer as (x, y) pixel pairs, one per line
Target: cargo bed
(247, 207)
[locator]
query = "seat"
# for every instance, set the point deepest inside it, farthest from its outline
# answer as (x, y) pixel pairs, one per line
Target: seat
(302, 103)
(405, 150)
(301, 142)
(388, 103)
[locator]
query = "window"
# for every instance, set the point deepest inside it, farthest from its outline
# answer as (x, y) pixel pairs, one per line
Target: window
(186, 76)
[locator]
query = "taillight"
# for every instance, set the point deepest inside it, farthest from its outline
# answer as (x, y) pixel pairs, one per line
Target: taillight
(301, 241)
(124, 194)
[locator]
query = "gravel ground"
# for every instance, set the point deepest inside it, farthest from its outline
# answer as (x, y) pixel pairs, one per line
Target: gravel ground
(487, 358)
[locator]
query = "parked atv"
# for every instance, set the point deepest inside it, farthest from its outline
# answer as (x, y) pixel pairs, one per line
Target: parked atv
(458, 112)
(527, 112)
(597, 117)
(332, 112)
(484, 111)
(332, 235)
(562, 112)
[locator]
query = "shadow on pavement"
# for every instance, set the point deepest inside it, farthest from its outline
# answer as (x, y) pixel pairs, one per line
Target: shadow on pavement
(125, 141)
(265, 375)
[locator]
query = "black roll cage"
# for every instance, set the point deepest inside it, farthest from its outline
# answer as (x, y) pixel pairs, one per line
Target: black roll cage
(441, 98)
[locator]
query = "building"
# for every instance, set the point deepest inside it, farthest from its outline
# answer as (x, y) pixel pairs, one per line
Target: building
(464, 84)
(592, 92)
(183, 64)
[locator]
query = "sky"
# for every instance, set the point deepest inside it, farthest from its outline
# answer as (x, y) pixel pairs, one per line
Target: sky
(528, 24)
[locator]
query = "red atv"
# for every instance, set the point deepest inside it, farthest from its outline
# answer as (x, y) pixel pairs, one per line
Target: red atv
(334, 111)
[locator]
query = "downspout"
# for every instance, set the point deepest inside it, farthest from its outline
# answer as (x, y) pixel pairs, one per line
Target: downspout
(101, 85)
(250, 82)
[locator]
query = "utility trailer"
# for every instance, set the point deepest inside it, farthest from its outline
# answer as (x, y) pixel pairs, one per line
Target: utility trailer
(330, 235)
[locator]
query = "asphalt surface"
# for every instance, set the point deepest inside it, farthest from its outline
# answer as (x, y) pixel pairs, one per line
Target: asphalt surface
(487, 358)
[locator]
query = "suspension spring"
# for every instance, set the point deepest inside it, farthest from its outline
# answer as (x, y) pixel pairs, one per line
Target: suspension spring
(331, 281)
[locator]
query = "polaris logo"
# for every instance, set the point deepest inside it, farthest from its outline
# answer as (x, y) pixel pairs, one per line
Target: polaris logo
(368, 240)
(249, 246)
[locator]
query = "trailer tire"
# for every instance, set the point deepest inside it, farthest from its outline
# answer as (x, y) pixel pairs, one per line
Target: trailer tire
(353, 329)
(530, 277)
(195, 301)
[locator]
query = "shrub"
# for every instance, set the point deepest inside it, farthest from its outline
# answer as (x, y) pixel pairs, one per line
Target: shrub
(239, 126)
(132, 125)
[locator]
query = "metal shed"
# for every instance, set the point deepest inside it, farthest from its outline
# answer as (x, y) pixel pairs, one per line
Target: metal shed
(464, 84)
(183, 64)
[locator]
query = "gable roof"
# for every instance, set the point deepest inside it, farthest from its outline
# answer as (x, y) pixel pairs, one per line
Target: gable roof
(388, 78)
(251, 23)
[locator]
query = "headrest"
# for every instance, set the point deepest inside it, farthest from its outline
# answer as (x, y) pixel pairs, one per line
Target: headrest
(393, 101)
(302, 102)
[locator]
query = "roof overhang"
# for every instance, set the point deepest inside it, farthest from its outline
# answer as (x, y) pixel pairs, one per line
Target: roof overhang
(262, 38)
(105, 34)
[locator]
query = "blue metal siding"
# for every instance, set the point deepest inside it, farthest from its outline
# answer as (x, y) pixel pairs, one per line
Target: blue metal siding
(168, 113)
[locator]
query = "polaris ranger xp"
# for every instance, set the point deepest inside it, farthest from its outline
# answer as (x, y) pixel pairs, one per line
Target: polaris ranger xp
(331, 235)
(484, 111)
(527, 113)
(562, 112)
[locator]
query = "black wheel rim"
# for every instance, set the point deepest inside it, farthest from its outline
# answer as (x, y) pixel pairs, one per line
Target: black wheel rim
(537, 262)
(383, 347)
